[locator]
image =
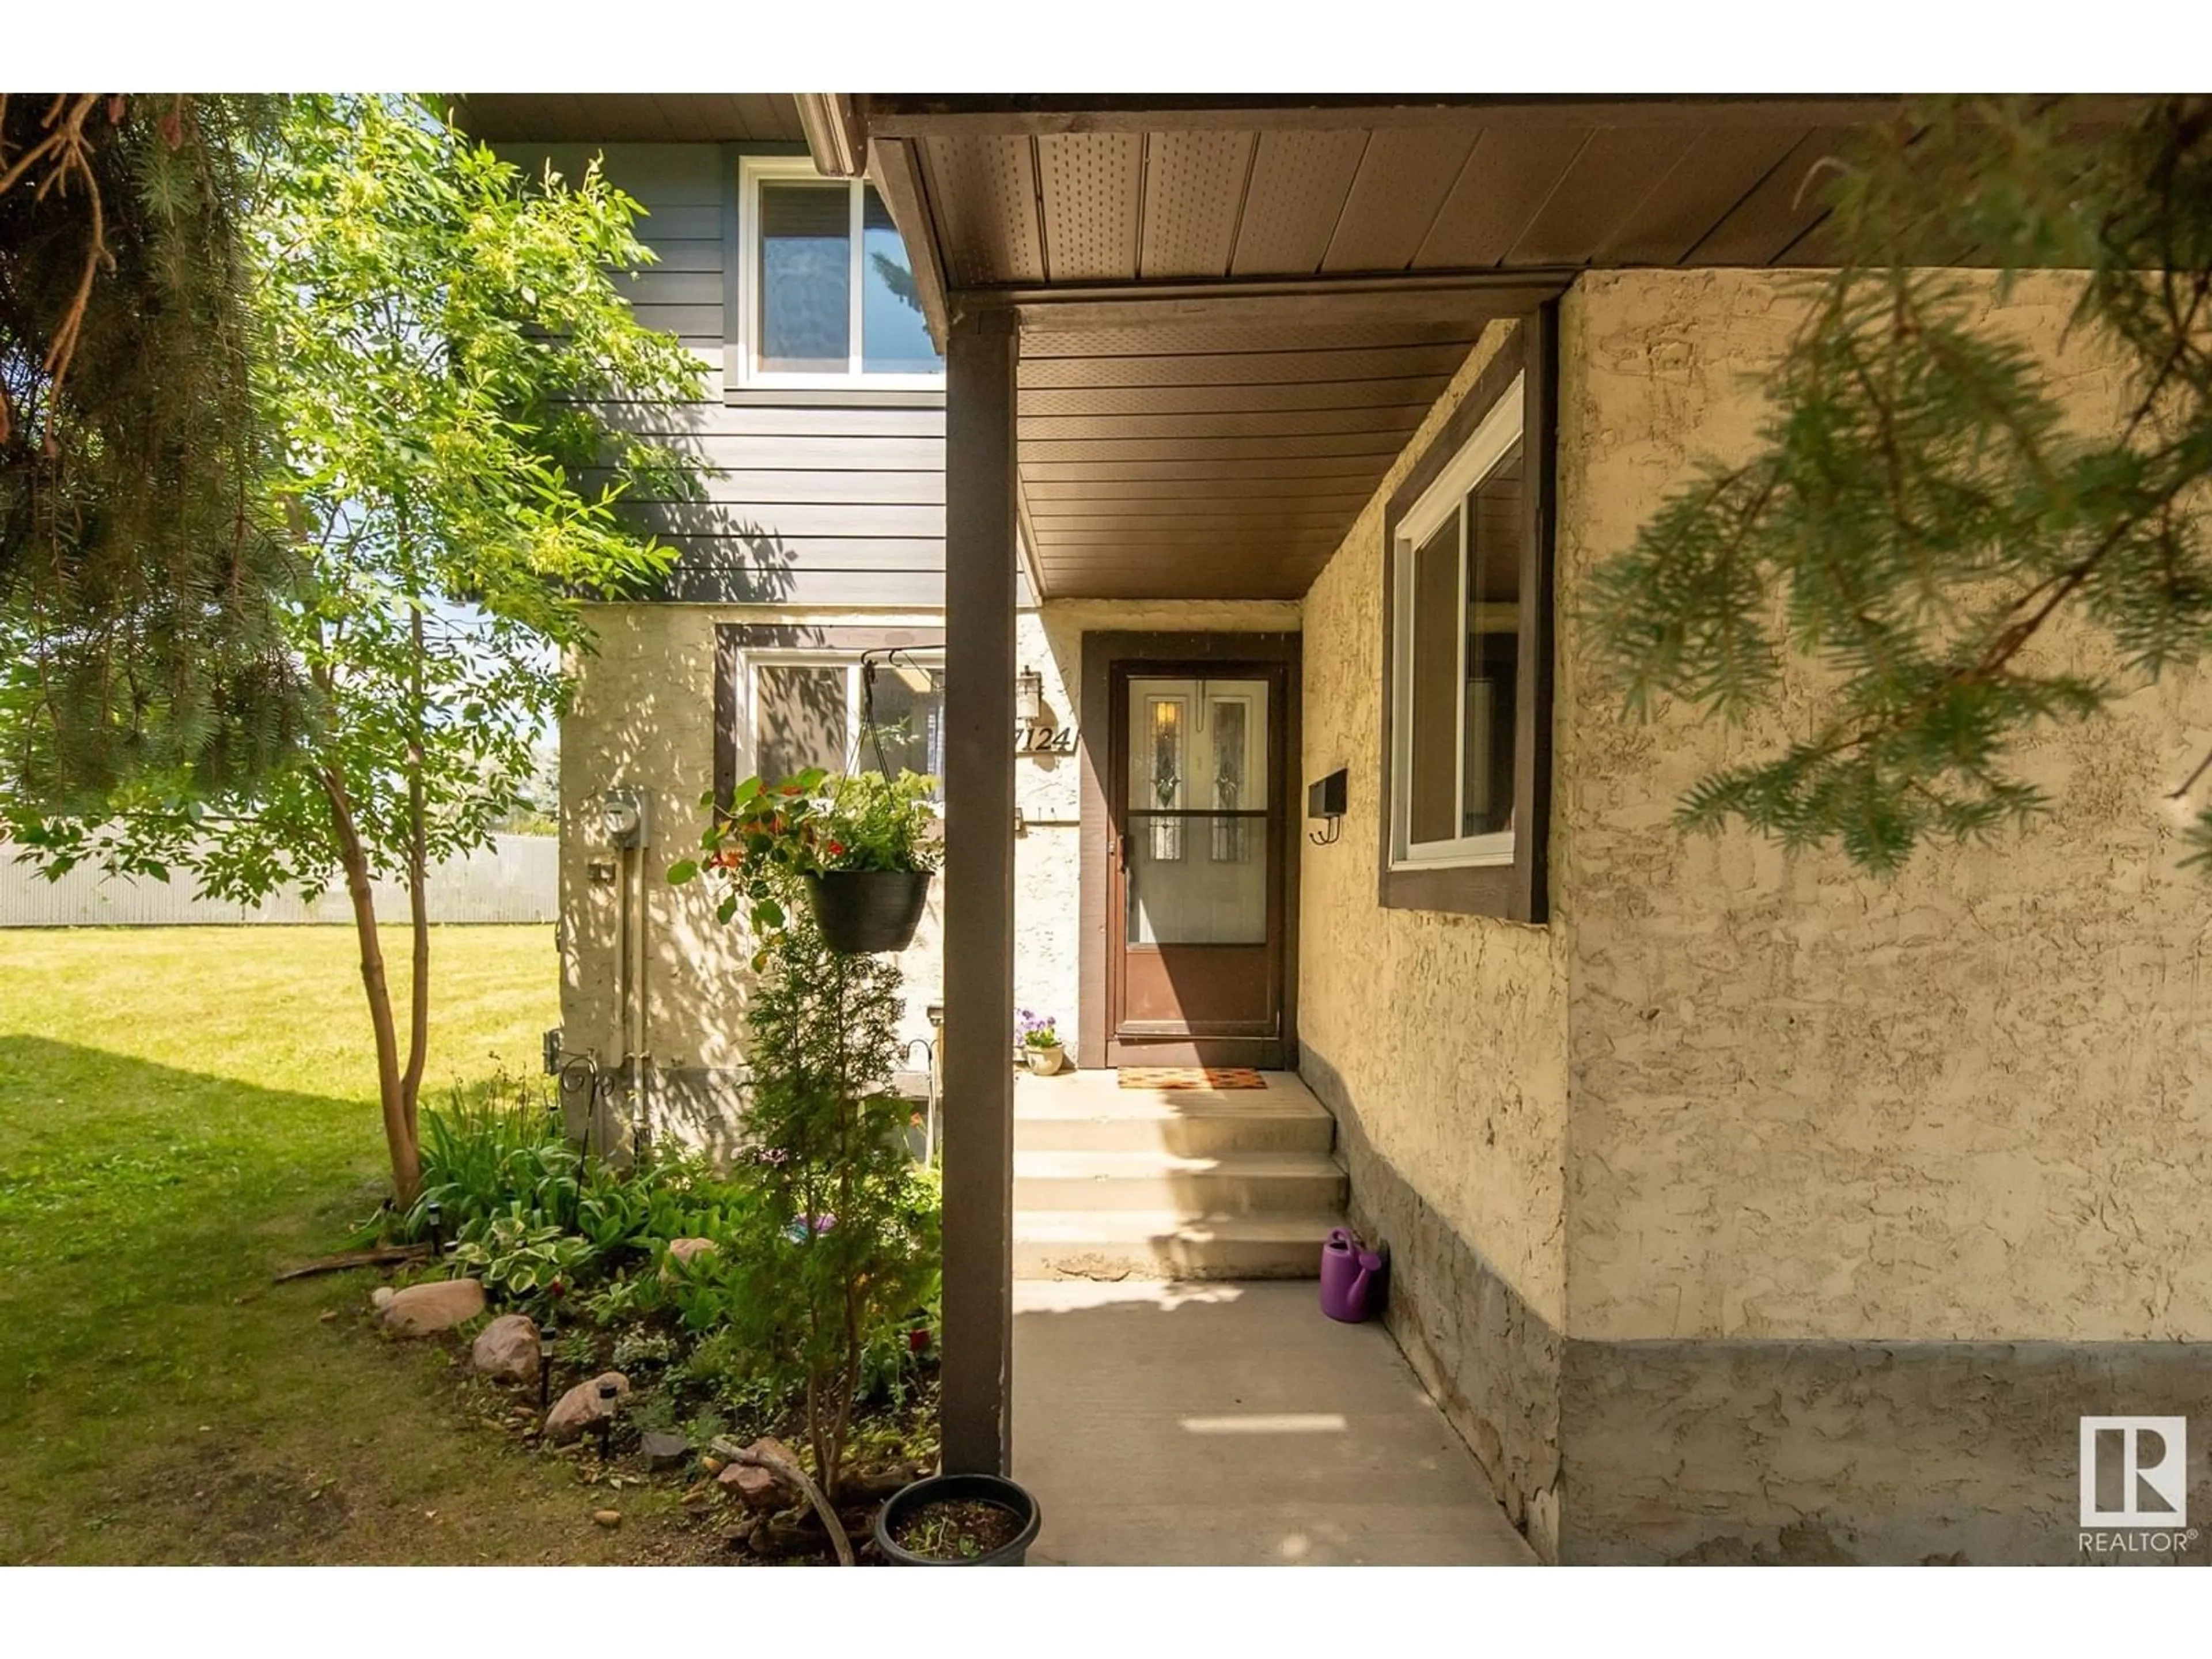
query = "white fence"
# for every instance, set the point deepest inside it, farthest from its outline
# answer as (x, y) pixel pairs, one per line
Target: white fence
(517, 879)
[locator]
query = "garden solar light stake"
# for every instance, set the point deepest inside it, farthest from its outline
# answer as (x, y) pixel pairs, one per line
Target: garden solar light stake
(606, 1420)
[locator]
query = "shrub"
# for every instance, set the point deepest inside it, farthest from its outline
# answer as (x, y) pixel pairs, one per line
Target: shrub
(520, 1260)
(489, 1153)
(850, 1250)
(821, 1290)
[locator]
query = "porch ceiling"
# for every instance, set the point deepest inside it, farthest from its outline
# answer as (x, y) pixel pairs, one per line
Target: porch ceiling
(1234, 310)
(1215, 459)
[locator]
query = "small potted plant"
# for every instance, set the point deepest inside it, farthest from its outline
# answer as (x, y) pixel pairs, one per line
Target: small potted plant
(959, 1521)
(1040, 1041)
(863, 846)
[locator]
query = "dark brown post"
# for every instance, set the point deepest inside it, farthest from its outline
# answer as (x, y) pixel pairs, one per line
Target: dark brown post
(980, 555)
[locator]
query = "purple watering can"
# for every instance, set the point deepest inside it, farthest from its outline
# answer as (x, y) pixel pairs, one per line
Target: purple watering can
(1351, 1277)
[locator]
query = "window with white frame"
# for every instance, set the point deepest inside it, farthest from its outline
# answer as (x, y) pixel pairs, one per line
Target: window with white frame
(827, 294)
(831, 711)
(1455, 643)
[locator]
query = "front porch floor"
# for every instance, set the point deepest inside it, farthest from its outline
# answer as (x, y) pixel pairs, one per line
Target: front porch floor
(1231, 1425)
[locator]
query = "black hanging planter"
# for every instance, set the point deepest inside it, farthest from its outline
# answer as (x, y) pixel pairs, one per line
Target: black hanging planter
(861, 912)
(960, 1489)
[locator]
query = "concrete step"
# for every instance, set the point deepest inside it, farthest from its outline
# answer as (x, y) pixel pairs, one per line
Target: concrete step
(1231, 1184)
(1116, 1244)
(1194, 1124)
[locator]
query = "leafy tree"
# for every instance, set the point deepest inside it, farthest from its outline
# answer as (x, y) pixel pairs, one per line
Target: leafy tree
(435, 332)
(140, 575)
(1920, 512)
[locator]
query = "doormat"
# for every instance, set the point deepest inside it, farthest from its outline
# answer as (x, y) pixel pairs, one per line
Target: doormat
(1191, 1077)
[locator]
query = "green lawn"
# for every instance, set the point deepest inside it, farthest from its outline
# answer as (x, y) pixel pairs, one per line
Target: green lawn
(182, 1112)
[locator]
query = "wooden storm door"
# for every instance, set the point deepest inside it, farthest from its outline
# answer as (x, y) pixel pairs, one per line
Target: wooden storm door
(1195, 958)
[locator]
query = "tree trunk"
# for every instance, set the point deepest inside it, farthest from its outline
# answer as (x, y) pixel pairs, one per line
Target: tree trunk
(399, 1133)
(418, 897)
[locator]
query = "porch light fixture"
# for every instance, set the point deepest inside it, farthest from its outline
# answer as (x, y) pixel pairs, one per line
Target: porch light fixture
(1029, 696)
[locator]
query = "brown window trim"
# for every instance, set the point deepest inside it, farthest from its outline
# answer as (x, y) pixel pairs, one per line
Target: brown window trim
(1519, 891)
(732, 639)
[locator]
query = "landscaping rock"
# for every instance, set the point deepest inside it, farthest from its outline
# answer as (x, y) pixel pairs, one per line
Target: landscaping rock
(754, 1487)
(664, 1451)
(578, 1409)
(425, 1310)
(607, 1517)
(685, 1251)
(507, 1349)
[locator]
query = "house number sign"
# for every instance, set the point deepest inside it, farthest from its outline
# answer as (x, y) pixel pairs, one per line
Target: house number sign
(1037, 738)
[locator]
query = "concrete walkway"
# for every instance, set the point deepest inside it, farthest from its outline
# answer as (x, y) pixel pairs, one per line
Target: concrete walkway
(1229, 1425)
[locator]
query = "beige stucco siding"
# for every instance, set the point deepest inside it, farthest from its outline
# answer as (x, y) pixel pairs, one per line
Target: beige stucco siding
(1447, 1034)
(1974, 1101)
(643, 717)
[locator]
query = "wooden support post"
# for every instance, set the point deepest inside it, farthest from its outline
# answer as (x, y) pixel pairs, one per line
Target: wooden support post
(979, 555)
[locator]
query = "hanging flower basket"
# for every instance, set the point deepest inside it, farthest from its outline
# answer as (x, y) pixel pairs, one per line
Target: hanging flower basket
(862, 912)
(863, 845)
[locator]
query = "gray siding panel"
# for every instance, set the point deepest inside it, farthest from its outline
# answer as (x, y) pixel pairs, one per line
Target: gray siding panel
(800, 504)
(742, 585)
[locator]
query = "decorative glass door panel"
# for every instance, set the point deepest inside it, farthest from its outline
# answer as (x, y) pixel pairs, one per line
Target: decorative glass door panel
(1196, 915)
(1198, 812)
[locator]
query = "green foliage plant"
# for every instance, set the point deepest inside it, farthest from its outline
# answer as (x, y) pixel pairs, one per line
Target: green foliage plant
(438, 333)
(809, 824)
(143, 572)
(1919, 513)
(849, 1247)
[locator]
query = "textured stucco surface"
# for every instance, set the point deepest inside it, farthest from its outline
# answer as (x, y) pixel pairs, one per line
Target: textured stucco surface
(1896, 1453)
(1446, 1034)
(1973, 1101)
(643, 717)
(1440, 1042)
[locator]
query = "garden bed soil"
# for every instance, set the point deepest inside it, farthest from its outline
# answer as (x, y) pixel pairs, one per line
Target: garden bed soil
(957, 1529)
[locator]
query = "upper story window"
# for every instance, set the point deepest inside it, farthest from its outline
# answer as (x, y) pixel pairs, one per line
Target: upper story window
(828, 293)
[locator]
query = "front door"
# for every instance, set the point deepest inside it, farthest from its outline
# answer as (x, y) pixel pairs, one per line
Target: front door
(1195, 965)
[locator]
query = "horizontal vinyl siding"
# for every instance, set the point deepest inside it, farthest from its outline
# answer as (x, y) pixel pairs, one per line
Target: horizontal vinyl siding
(798, 503)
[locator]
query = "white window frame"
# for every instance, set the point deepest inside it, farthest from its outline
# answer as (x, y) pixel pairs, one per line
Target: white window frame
(753, 171)
(1444, 499)
(932, 659)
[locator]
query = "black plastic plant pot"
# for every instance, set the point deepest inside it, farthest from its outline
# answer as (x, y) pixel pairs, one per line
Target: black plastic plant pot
(862, 912)
(957, 1488)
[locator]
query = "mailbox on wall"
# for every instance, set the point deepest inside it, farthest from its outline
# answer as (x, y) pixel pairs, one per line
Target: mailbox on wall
(1325, 801)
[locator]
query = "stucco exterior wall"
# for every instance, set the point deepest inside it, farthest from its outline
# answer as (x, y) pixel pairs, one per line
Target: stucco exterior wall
(1448, 1032)
(643, 717)
(1973, 1101)
(1441, 1043)
(1874, 1186)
